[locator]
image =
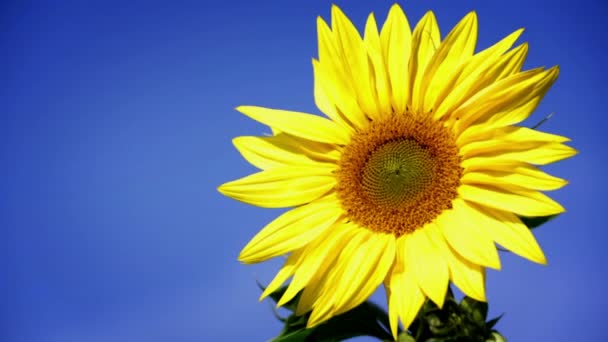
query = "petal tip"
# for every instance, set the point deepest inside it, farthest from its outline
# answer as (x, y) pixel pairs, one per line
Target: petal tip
(222, 189)
(243, 258)
(238, 142)
(541, 260)
(396, 10)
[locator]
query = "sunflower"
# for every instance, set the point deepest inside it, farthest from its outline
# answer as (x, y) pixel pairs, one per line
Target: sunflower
(415, 174)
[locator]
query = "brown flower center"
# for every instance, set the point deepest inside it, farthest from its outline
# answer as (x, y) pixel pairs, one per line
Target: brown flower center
(399, 173)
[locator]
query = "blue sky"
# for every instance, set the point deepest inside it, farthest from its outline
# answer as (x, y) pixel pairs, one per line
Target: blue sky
(116, 128)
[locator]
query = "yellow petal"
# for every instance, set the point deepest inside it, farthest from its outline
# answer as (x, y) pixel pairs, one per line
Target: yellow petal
(324, 306)
(425, 40)
(380, 77)
(323, 98)
(445, 65)
(365, 272)
(405, 298)
(284, 150)
(281, 187)
(284, 273)
(486, 70)
(347, 111)
(514, 116)
(508, 230)
(508, 138)
(510, 64)
(466, 236)
(486, 58)
(468, 276)
(516, 200)
(396, 39)
(332, 76)
(525, 176)
(291, 230)
(430, 267)
(536, 153)
(356, 60)
(506, 94)
(498, 120)
(320, 254)
(317, 284)
(302, 125)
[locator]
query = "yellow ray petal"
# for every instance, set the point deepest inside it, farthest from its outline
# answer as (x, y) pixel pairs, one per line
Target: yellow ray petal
(332, 76)
(536, 153)
(462, 231)
(508, 230)
(425, 41)
(498, 147)
(506, 94)
(380, 77)
(525, 176)
(356, 60)
(319, 255)
(302, 125)
(284, 273)
(281, 187)
(291, 230)
(468, 276)
(513, 116)
(317, 284)
(508, 138)
(507, 117)
(512, 63)
(365, 272)
(445, 65)
(347, 111)
(484, 59)
(282, 150)
(324, 100)
(487, 71)
(396, 39)
(516, 200)
(405, 298)
(324, 306)
(430, 267)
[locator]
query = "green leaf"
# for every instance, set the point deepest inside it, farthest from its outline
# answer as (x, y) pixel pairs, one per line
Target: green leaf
(537, 221)
(296, 336)
(366, 319)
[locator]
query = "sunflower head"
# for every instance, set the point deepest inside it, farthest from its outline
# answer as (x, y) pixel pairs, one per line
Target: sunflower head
(398, 173)
(418, 169)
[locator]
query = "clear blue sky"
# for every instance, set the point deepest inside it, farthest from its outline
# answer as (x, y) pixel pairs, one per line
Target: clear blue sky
(116, 127)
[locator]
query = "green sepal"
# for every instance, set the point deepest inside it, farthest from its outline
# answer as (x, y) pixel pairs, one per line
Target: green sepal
(491, 323)
(476, 310)
(454, 322)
